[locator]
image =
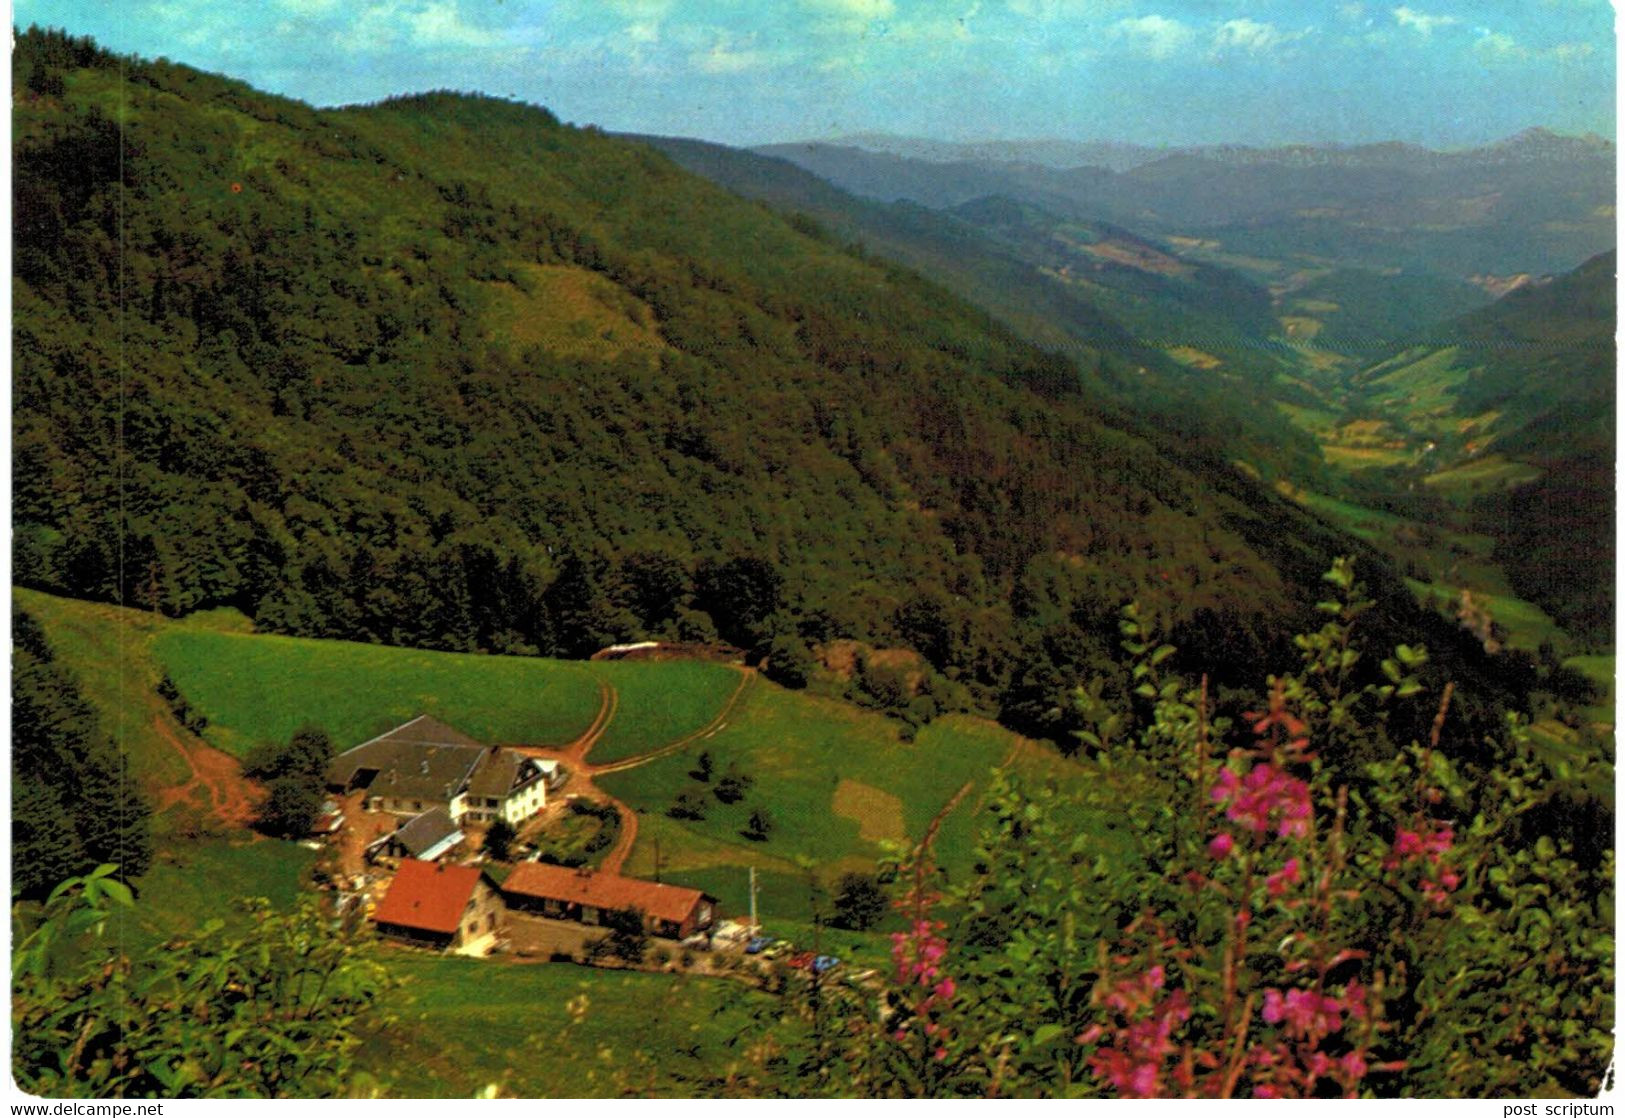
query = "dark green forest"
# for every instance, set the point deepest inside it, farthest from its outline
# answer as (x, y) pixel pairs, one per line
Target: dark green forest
(444, 372)
(75, 802)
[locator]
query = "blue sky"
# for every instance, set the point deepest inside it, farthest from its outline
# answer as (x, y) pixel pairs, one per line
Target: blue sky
(754, 71)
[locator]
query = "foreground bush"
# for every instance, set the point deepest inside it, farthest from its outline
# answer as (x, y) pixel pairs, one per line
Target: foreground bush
(1221, 910)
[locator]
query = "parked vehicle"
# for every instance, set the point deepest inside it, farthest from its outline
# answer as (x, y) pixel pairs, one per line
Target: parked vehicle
(758, 944)
(824, 963)
(801, 960)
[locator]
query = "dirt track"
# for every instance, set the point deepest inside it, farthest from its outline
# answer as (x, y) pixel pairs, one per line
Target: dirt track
(575, 755)
(216, 789)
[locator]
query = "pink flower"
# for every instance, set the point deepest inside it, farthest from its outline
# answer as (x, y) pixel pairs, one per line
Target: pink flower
(1144, 1081)
(1354, 1066)
(1304, 1012)
(1221, 844)
(1354, 999)
(1287, 875)
(1266, 796)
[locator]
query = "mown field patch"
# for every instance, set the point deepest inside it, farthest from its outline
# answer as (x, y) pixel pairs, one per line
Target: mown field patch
(571, 311)
(109, 651)
(1482, 475)
(879, 815)
(797, 748)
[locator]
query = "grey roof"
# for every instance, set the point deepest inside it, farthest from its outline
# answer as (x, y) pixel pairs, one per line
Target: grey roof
(422, 833)
(423, 759)
(499, 772)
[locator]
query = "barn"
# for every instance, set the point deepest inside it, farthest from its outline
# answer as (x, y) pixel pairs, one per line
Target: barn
(562, 893)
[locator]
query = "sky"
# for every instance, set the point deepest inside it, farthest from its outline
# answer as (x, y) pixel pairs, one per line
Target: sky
(1445, 73)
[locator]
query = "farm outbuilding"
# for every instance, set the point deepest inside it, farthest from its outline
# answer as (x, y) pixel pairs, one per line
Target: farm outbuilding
(436, 905)
(425, 837)
(672, 911)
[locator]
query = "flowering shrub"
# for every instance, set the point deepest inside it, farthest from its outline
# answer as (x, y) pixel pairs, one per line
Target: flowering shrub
(1215, 908)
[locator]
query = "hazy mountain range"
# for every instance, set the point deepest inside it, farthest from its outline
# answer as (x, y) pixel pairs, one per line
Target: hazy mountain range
(1536, 202)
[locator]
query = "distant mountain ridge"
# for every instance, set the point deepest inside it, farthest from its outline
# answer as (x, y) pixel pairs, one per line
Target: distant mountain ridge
(1531, 144)
(1534, 203)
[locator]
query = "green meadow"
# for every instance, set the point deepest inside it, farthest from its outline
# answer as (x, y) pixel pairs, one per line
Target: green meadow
(836, 780)
(659, 702)
(255, 688)
(545, 1030)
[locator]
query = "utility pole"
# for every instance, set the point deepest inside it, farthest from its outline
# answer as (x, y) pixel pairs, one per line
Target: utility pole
(755, 928)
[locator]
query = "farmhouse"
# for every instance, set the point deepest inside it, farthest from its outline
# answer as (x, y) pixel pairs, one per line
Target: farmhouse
(585, 895)
(425, 764)
(424, 837)
(505, 785)
(442, 906)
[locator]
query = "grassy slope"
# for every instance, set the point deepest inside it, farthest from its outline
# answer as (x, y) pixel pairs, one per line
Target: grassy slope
(659, 702)
(469, 1024)
(262, 688)
(798, 748)
(192, 882)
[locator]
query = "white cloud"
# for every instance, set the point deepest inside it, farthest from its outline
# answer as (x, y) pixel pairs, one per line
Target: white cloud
(1568, 52)
(1046, 10)
(1421, 22)
(857, 10)
(731, 56)
(1252, 37)
(1495, 46)
(441, 25)
(1155, 36)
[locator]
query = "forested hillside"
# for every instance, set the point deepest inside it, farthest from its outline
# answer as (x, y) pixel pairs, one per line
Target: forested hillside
(1193, 339)
(443, 372)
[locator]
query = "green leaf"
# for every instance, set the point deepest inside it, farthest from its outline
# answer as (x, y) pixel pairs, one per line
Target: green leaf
(1044, 1034)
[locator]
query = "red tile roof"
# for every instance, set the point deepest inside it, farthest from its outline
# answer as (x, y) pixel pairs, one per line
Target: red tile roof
(428, 896)
(604, 891)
